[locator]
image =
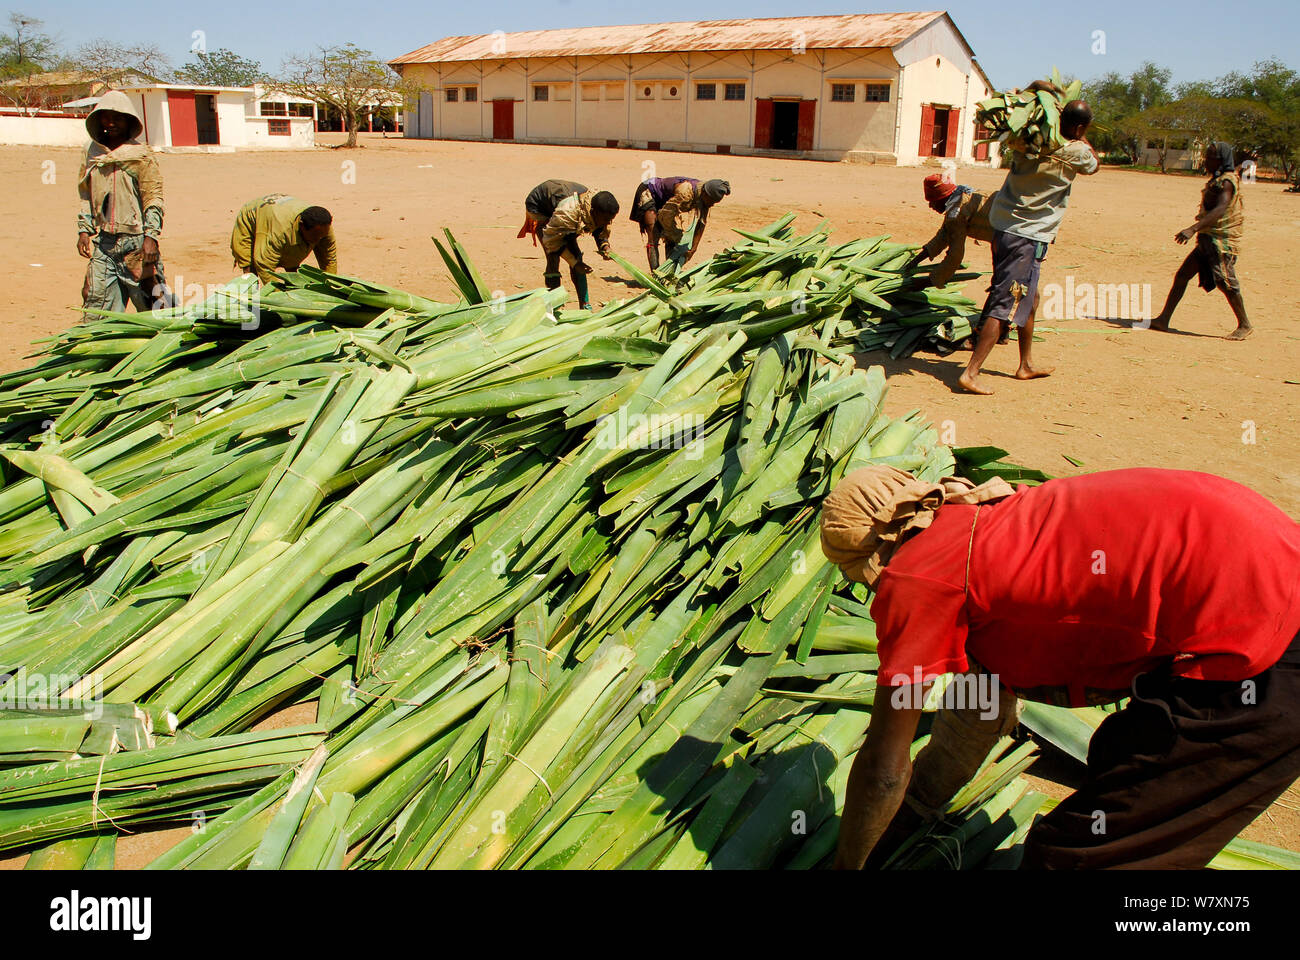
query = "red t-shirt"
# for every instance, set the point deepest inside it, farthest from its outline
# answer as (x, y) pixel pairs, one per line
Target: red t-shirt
(1083, 583)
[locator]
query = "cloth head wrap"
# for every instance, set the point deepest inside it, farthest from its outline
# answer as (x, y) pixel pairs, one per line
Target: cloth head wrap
(872, 511)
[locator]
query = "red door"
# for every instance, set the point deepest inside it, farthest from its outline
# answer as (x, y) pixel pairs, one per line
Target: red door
(503, 119)
(952, 132)
(927, 132)
(763, 114)
(807, 123)
(185, 125)
(981, 149)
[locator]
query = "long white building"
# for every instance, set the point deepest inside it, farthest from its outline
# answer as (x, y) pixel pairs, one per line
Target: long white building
(888, 87)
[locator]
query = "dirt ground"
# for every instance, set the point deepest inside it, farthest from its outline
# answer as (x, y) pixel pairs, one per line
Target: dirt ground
(1120, 397)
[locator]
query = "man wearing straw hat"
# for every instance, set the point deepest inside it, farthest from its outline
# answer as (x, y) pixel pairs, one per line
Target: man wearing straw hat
(1179, 590)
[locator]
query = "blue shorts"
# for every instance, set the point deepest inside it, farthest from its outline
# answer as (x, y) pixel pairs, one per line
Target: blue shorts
(1016, 264)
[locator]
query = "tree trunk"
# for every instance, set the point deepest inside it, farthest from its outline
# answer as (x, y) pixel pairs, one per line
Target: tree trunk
(352, 129)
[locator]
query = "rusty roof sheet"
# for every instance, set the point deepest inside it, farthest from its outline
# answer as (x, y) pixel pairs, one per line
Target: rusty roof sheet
(854, 31)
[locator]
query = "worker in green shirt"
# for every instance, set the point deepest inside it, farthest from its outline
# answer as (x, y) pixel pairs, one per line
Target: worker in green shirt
(279, 232)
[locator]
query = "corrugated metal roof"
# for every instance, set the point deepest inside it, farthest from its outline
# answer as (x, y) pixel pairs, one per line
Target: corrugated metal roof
(854, 31)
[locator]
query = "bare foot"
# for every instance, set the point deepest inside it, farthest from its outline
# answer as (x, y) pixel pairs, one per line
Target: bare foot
(1241, 333)
(1033, 373)
(1160, 323)
(971, 385)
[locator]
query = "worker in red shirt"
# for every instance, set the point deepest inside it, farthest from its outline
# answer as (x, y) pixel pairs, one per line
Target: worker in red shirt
(1179, 590)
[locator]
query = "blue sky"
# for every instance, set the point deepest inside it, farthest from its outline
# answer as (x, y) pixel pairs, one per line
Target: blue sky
(1015, 42)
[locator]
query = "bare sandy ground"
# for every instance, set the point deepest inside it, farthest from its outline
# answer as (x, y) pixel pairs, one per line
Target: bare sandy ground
(1119, 398)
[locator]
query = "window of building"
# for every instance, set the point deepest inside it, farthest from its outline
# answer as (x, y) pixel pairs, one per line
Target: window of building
(471, 94)
(453, 94)
(706, 91)
(735, 91)
(877, 93)
(541, 93)
(591, 91)
(277, 128)
(615, 91)
(671, 91)
(647, 92)
(301, 110)
(844, 92)
(274, 108)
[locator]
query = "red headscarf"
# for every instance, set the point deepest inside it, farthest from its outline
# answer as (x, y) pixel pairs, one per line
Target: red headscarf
(937, 188)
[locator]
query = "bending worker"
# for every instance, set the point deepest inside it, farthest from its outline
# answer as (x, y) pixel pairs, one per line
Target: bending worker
(1176, 589)
(965, 215)
(663, 207)
(561, 211)
(121, 212)
(278, 233)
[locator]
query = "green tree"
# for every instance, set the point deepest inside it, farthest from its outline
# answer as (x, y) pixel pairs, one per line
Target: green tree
(221, 68)
(346, 78)
(1116, 98)
(1275, 135)
(25, 48)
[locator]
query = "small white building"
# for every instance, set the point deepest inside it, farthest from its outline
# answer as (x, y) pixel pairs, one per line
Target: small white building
(891, 87)
(216, 118)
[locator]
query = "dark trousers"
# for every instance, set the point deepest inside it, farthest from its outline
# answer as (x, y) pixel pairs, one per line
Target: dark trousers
(1178, 773)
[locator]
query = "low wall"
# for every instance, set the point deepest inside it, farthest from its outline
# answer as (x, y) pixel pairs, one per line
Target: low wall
(43, 131)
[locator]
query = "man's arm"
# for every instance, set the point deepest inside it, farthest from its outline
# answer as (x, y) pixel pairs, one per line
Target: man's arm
(955, 230)
(674, 211)
(878, 780)
(85, 215)
(327, 254)
(1211, 216)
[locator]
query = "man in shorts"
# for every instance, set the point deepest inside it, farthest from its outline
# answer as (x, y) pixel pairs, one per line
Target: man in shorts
(1026, 215)
(1217, 231)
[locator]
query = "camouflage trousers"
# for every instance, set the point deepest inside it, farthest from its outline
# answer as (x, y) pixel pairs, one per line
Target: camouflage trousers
(112, 278)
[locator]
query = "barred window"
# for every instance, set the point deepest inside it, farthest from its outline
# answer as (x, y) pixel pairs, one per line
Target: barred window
(844, 92)
(274, 108)
(735, 91)
(877, 93)
(471, 94)
(706, 91)
(277, 128)
(453, 94)
(541, 93)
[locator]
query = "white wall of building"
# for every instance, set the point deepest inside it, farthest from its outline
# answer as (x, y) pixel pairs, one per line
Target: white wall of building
(302, 134)
(230, 119)
(937, 70)
(653, 98)
(43, 131)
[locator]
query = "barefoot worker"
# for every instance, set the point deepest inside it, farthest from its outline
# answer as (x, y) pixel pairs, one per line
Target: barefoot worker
(561, 211)
(121, 212)
(965, 214)
(1054, 593)
(1217, 232)
(663, 207)
(277, 232)
(1026, 215)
